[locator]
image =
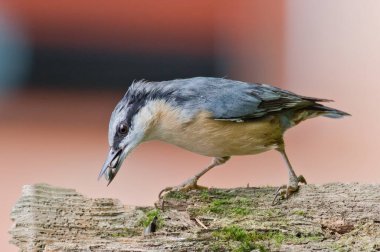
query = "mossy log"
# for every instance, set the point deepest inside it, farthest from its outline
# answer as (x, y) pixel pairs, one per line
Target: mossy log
(330, 217)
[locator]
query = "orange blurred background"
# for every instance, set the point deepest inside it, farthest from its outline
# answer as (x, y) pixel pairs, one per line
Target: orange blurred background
(65, 64)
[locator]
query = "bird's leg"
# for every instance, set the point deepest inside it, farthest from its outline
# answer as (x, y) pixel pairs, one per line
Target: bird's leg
(191, 183)
(286, 190)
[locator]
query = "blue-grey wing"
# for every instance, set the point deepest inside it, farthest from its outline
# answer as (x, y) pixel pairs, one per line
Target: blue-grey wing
(234, 100)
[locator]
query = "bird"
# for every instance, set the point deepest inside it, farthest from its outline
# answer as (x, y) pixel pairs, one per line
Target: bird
(214, 117)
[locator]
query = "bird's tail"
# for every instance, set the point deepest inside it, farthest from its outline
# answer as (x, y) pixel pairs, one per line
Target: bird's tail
(315, 110)
(328, 112)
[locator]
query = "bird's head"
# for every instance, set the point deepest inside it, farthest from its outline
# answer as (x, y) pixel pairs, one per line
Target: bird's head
(128, 127)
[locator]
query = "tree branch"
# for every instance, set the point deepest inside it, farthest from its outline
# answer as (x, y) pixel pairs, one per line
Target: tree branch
(341, 217)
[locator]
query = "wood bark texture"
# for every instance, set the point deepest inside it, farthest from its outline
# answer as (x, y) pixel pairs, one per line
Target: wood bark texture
(330, 217)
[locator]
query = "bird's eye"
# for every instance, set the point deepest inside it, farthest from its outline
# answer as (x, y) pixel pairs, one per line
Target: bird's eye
(123, 129)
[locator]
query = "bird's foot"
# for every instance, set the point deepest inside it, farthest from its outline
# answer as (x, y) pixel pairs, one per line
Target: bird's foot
(188, 185)
(285, 191)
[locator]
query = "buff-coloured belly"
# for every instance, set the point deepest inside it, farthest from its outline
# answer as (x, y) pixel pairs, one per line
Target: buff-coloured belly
(215, 138)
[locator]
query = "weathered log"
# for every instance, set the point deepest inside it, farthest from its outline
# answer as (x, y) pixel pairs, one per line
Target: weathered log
(330, 217)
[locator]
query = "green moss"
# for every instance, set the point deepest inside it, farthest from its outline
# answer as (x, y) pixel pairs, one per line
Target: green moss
(299, 212)
(218, 206)
(240, 211)
(248, 240)
(178, 195)
(234, 233)
(246, 246)
(222, 203)
(338, 248)
(147, 219)
(220, 193)
(195, 211)
(230, 207)
(279, 237)
(204, 195)
(276, 237)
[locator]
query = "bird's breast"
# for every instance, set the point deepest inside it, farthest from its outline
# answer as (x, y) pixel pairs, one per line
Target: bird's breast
(209, 137)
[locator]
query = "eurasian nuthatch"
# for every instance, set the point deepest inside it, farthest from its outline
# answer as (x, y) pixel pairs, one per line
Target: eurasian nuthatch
(214, 117)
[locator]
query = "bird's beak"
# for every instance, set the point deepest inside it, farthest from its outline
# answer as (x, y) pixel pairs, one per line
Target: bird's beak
(116, 157)
(112, 164)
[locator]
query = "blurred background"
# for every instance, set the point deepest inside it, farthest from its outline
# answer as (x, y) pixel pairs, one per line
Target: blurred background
(65, 64)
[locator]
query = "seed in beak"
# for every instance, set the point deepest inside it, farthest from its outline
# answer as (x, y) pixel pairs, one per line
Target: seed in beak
(114, 161)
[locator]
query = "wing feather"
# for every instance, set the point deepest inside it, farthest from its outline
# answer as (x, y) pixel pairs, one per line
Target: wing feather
(267, 100)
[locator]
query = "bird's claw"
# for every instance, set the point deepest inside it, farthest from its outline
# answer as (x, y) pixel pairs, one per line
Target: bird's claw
(285, 191)
(301, 179)
(188, 185)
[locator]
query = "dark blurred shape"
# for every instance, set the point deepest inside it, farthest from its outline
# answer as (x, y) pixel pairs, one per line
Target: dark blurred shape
(76, 68)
